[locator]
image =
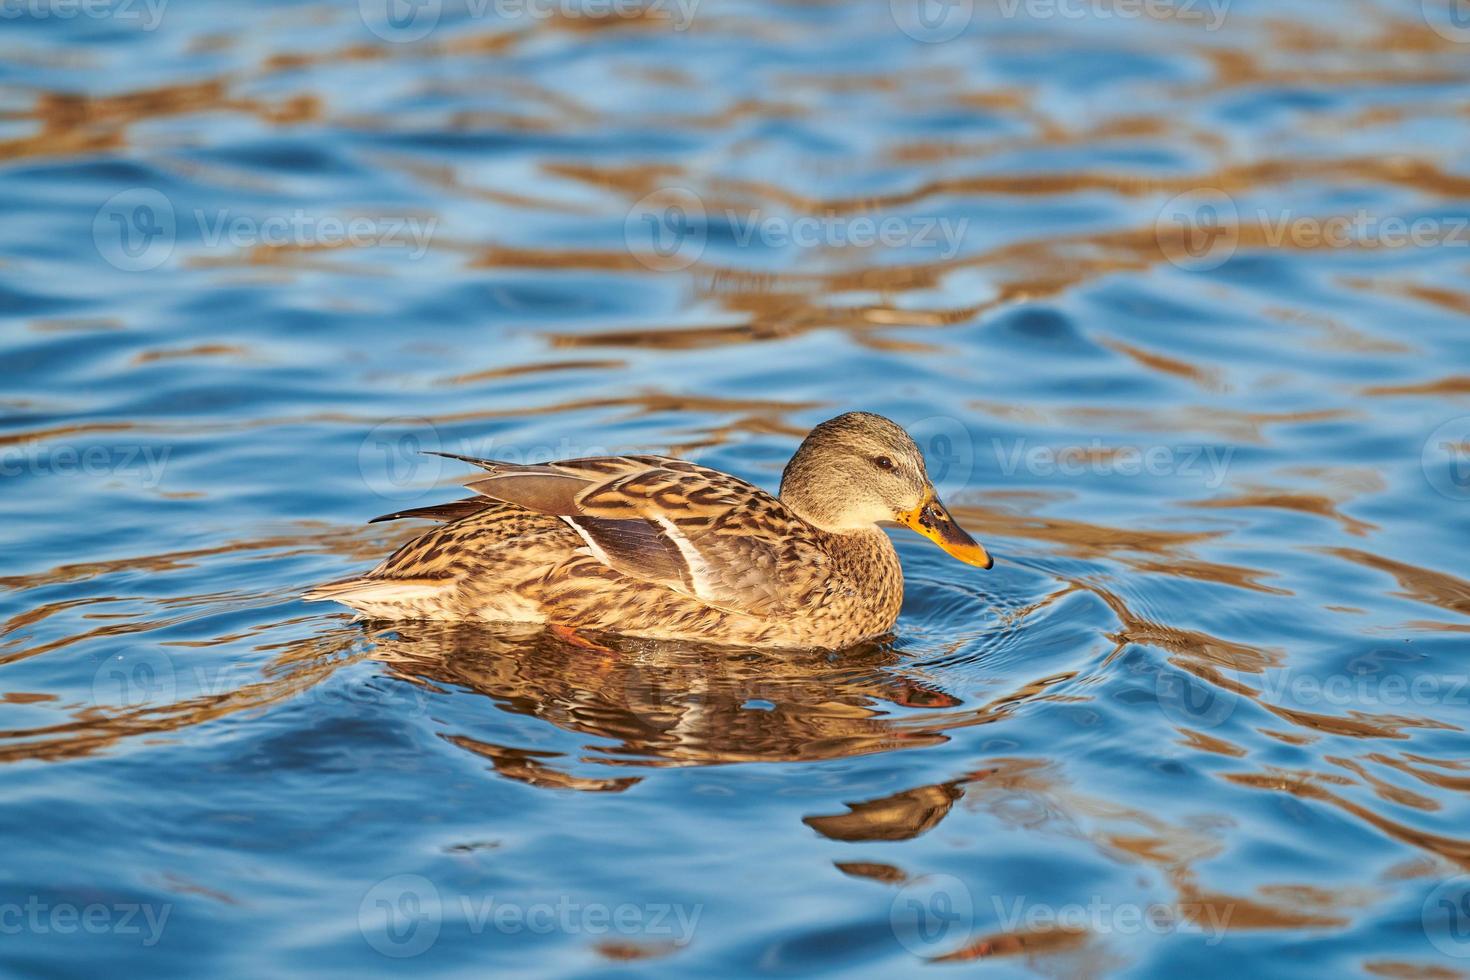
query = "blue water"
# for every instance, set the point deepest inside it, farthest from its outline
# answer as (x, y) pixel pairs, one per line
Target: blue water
(1176, 305)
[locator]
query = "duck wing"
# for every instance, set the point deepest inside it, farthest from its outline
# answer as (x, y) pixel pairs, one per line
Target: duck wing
(691, 529)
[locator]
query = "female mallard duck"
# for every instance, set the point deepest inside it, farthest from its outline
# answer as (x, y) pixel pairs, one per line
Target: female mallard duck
(664, 548)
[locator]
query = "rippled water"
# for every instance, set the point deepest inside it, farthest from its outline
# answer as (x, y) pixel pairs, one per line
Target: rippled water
(1206, 714)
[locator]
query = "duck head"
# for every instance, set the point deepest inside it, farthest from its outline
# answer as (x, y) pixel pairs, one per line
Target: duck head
(859, 470)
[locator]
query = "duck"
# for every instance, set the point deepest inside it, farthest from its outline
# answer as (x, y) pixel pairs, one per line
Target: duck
(667, 549)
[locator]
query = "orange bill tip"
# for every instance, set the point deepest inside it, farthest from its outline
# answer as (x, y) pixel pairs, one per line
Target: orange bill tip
(934, 522)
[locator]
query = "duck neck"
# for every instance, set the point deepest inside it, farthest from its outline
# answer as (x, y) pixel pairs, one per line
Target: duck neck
(867, 561)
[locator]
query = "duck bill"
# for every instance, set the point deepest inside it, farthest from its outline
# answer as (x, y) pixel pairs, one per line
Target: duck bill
(934, 522)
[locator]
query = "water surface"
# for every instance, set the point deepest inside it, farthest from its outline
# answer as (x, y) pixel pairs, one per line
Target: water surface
(1176, 306)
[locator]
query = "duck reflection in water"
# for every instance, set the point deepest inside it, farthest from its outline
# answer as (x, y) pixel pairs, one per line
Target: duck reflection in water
(671, 704)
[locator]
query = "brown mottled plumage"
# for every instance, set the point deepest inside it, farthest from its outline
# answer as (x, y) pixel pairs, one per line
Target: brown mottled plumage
(661, 547)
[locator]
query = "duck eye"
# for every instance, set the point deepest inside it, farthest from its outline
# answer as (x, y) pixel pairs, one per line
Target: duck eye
(883, 463)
